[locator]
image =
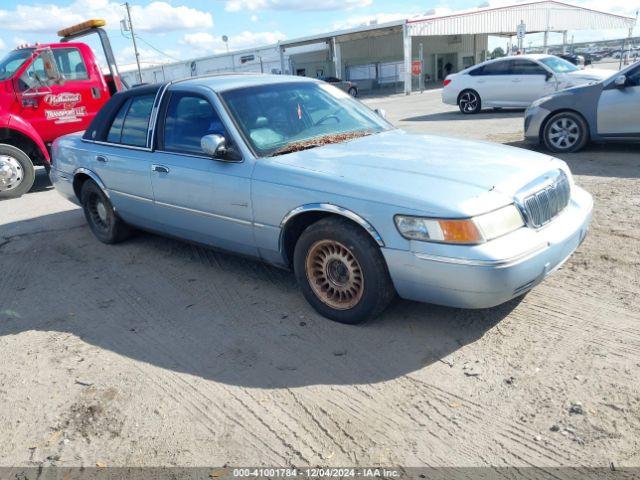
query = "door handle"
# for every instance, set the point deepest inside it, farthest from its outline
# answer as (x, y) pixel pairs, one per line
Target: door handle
(160, 168)
(102, 159)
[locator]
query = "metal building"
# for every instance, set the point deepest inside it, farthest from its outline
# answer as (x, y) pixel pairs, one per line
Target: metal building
(401, 55)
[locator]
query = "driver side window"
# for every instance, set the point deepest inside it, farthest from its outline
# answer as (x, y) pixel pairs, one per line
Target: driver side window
(189, 118)
(33, 75)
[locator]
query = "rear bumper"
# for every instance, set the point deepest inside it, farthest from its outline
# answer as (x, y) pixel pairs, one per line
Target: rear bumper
(468, 282)
(449, 96)
(63, 183)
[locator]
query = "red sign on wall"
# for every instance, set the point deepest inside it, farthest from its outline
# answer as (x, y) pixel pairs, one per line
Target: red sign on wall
(416, 67)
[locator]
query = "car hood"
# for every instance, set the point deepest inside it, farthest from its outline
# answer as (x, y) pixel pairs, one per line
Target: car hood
(589, 75)
(440, 175)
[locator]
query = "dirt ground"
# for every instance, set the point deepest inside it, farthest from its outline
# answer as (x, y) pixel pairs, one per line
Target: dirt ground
(155, 352)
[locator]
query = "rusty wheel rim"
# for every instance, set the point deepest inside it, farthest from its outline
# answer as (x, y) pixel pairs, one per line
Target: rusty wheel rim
(334, 274)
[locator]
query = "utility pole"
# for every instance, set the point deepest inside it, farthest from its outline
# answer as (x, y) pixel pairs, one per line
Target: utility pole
(421, 78)
(133, 38)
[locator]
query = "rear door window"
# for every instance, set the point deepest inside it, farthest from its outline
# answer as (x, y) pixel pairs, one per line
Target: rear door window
(502, 67)
(526, 67)
(131, 124)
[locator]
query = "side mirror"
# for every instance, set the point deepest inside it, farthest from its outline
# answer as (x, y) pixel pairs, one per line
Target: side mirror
(381, 112)
(620, 81)
(54, 77)
(214, 145)
(549, 76)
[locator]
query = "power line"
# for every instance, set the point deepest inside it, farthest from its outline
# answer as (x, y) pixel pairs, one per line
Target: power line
(138, 37)
(157, 49)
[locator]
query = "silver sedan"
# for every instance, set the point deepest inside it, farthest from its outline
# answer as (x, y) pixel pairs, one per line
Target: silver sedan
(297, 173)
(601, 111)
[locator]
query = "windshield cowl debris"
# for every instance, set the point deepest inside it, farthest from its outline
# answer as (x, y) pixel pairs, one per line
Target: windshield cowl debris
(319, 141)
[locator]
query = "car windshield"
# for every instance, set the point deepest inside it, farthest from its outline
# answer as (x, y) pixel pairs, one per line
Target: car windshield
(559, 65)
(286, 117)
(12, 61)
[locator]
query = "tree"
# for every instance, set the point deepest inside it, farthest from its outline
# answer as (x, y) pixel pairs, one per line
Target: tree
(498, 52)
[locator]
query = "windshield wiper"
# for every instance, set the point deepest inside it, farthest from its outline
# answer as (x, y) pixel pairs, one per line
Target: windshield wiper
(319, 141)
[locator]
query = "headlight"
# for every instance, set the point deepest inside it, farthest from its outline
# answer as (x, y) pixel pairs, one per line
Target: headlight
(540, 101)
(467, 231)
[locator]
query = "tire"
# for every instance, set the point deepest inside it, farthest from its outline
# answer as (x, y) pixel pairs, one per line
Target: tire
(353, 91)
(342, 272)
(101, 216)
(469, 102)
(565, 132)
(17, 172)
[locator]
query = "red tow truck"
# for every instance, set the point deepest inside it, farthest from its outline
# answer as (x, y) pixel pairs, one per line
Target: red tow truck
(46, 91)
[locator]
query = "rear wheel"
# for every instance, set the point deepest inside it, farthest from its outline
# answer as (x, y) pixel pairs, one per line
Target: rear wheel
(353, 91)
(101, 216)
(17, 173)
(469, 102)
(565, 132)
(342, 272)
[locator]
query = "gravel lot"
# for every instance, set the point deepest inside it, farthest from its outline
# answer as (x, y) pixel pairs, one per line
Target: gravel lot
(155, 352)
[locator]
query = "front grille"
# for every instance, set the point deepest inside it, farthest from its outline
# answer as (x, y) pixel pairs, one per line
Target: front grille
(546, 204)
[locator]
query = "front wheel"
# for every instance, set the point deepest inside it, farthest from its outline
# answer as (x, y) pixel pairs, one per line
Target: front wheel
(101, 216)
(565, 132)
(342, 272)
(17, 173)
(469, 102)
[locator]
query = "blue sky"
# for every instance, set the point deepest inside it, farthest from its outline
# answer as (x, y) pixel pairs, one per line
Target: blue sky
(182, 29)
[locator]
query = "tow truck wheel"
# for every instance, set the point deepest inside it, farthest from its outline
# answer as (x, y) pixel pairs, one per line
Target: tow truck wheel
(16, 172)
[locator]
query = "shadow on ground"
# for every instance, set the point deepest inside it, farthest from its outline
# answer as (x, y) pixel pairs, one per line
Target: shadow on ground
(615, 160)
(42, 182)
(457, 115)
(211, 314)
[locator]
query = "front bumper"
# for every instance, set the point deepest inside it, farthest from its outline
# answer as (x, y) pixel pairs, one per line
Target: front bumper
(534, 117)
(484, 278)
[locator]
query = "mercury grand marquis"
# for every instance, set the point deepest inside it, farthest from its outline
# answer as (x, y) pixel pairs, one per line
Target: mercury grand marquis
(297, 173)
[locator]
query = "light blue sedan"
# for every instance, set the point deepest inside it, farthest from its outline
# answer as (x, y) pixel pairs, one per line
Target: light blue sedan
(297, 173)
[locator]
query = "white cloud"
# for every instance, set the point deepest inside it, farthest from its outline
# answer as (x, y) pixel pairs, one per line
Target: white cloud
(2, 44)
(204, 42)
(254, 18)
(20, 41)
(157, 16)
(300, 5)
(360, 20)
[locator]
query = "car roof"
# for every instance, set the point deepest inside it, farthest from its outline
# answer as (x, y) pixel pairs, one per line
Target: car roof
(528, 56)
(230, 81)
(531, 56)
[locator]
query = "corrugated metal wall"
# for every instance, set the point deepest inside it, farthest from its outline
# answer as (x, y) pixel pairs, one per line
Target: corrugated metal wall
(212, 64)
(538, 17)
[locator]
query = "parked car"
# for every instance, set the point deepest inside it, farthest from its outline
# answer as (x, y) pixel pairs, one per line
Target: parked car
(299, 174)
(603, 111)
(350, 87)
(514, 81)
(577, 60)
